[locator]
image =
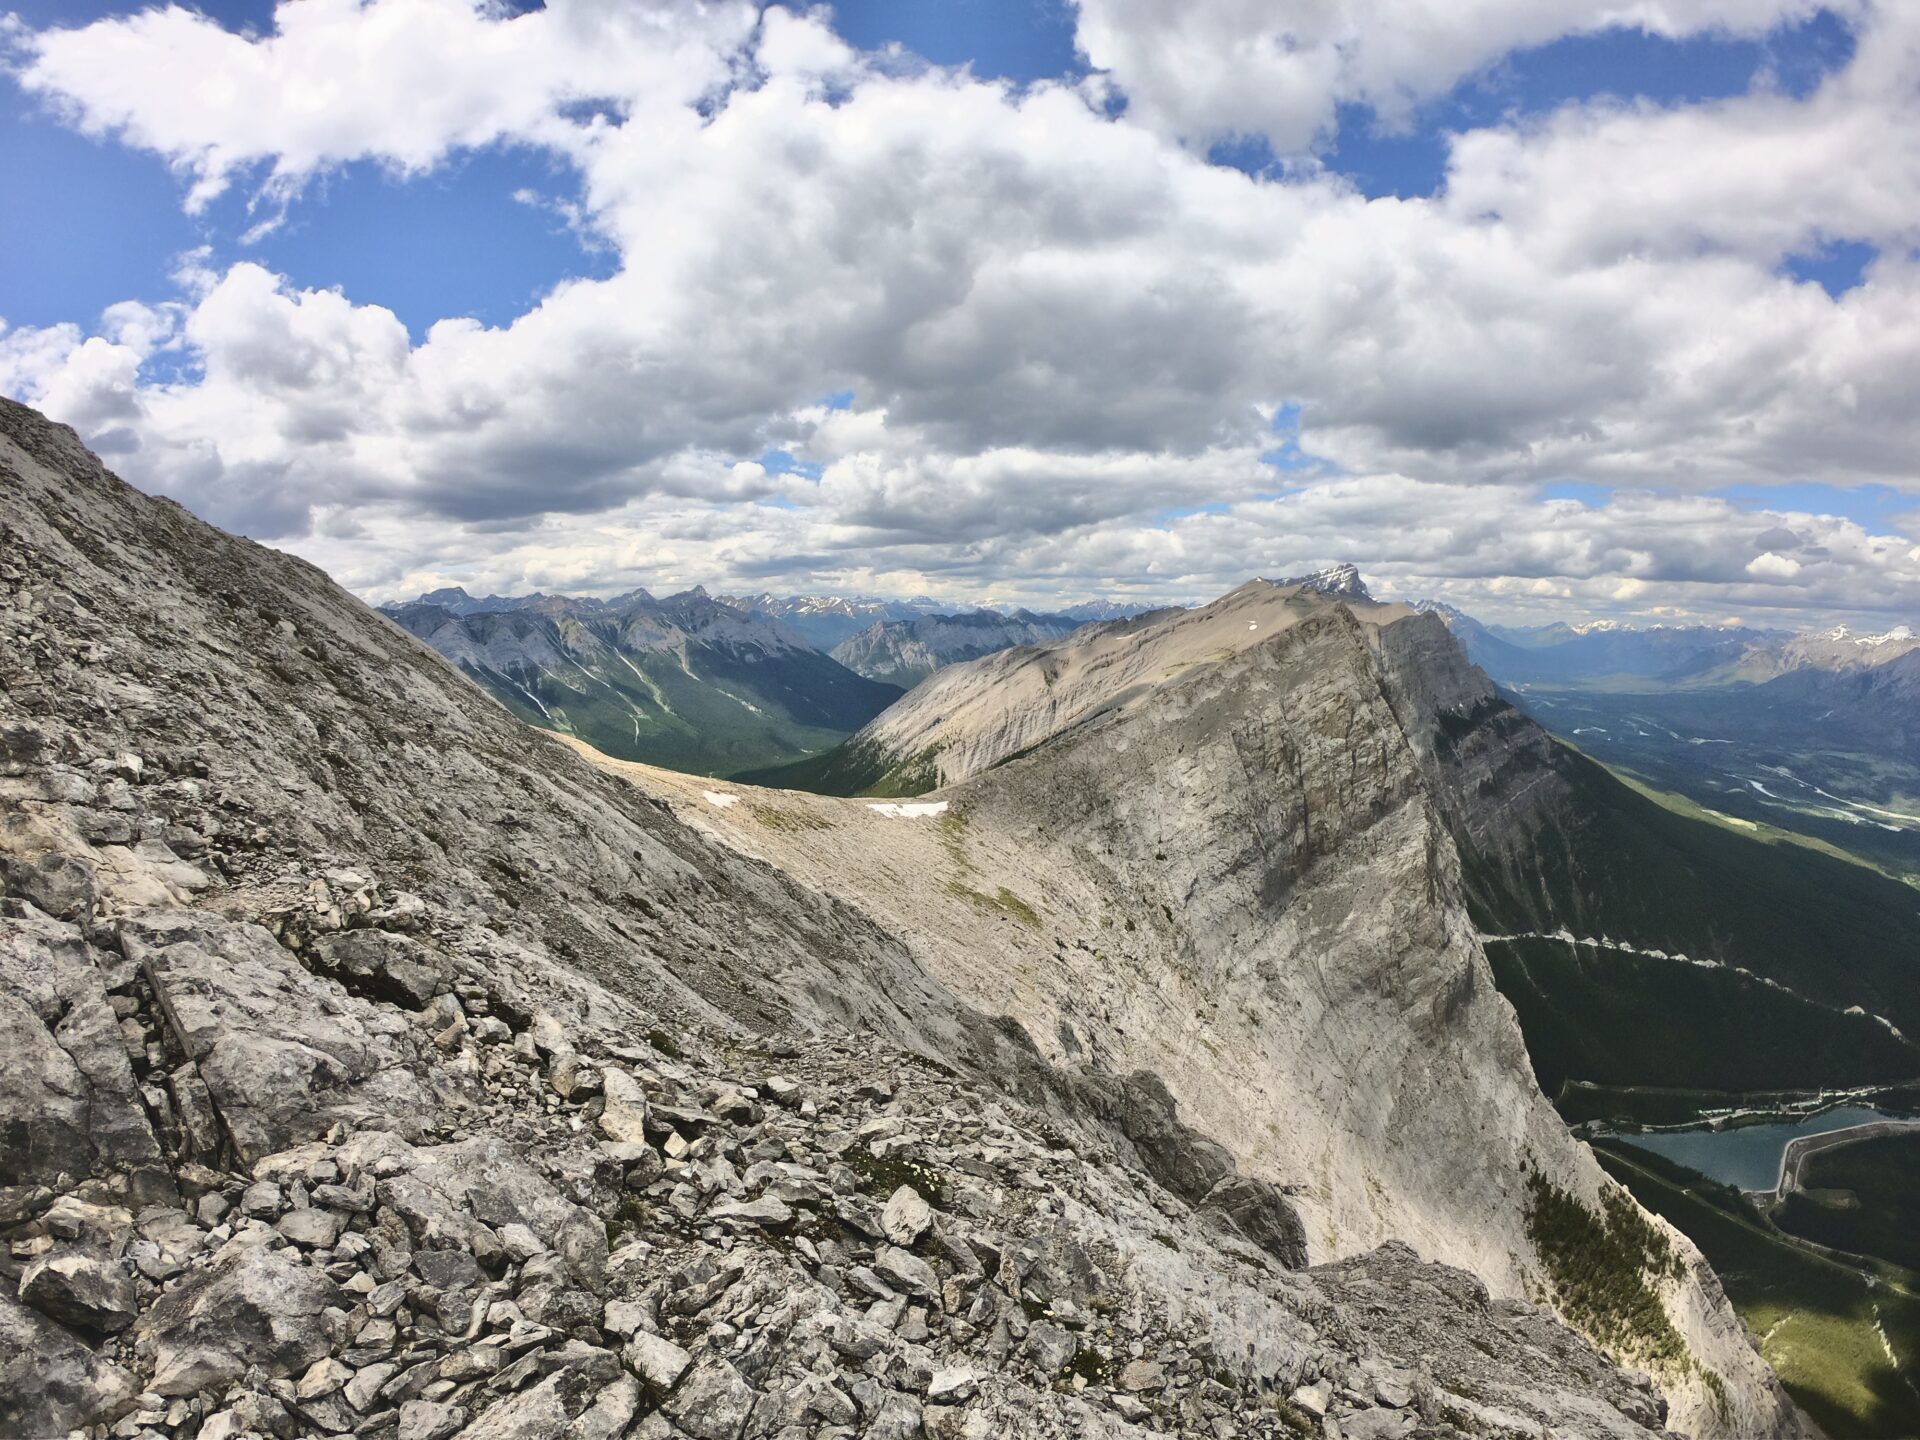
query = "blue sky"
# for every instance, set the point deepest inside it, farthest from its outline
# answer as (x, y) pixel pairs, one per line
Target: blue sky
(458, 243)
(1026, 337)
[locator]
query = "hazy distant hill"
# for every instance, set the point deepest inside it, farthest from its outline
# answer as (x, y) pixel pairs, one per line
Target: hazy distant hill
(905, 652)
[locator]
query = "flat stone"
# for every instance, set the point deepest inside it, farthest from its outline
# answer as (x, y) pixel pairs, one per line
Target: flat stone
(363, 1391)
(657, 1361)
(905, 1271)
(314, 1228)
(952, 1385)
(260, 1200)
(520, 1242)
(623, 1317)
(323, 1377)
(429, 1420)
(764, 1211)
(448, 1269)
(1314, 1399)
(1142, 1377)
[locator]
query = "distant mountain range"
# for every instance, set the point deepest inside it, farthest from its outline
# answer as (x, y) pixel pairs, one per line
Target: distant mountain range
(828, 620)
(1813, 735)
(905, 652)
(1607, 654)
(825, 620)
(686, 681)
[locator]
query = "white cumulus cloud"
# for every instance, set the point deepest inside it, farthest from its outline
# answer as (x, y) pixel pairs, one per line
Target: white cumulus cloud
(1067, 337)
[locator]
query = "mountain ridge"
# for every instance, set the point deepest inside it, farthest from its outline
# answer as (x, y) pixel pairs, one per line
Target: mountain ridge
(391, 959)
(905, 652)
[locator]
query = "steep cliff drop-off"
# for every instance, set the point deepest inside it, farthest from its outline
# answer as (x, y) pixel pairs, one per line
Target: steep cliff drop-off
(372, 1064)
(1204, 844)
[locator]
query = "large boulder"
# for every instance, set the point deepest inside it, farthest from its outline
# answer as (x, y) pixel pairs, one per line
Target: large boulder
(49, 1382)
(258, 1307)
(441, 1190)
(81, 1287)
(385, 966)
(283, 1053)
(1259, 1212)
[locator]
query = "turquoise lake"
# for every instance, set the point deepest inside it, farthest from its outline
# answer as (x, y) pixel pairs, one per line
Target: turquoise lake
(1750, 1155)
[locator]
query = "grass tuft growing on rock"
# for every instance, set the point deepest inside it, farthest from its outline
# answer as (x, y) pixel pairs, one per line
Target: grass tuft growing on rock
(1005, 902)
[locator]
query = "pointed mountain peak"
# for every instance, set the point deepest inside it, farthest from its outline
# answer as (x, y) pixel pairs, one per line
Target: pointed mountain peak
(1339, 580)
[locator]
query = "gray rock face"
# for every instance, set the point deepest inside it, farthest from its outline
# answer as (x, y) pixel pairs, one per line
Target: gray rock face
(68, 1103)
(1258, 1211)
(305, 1060)
(385, 966)
(50, 1382)
(258, 1307)
(281, 1052)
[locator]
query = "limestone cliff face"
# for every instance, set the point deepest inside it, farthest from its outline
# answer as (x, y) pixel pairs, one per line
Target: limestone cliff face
(1500, 780)
(1310, 985)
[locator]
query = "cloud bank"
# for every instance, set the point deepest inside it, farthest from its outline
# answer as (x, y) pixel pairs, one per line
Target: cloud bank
(1075, 349)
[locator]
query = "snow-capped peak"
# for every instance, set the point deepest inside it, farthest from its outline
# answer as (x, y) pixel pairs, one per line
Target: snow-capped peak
(1340, 580)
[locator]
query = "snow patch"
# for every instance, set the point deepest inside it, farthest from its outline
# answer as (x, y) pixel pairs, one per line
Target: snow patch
(720, 801)
(894, 811)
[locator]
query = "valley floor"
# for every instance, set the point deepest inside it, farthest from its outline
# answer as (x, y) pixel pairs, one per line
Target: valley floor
(1843, 1337)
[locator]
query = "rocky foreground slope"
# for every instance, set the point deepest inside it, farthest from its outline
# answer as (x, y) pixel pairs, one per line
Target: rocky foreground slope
(371, 1064)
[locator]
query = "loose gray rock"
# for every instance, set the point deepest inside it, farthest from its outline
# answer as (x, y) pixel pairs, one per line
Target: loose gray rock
(907, 1272)
(897, 1418)
(712, 1402)
(1051, 1347)
(625, 1118)
(385, 966)
(312, 1228)
(82, 1288)
(657, 1361)
(906, 1216)
(429, 1420)
(50, 1383)
(259, 1307)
